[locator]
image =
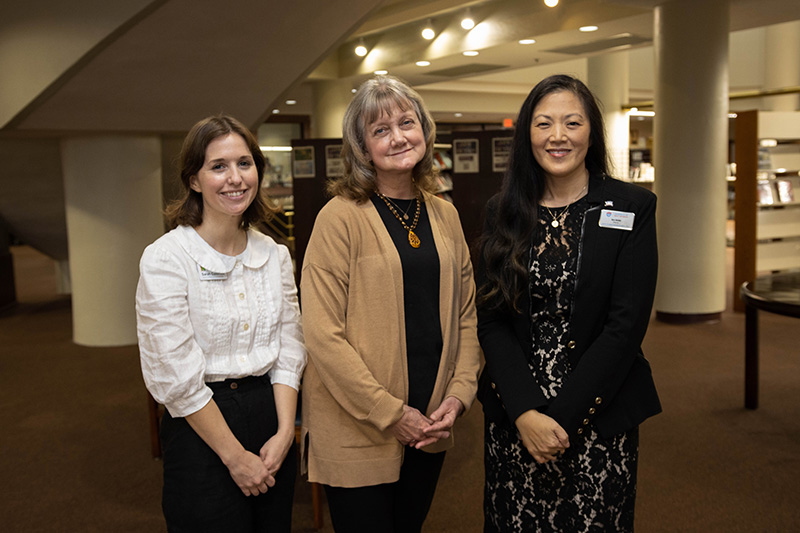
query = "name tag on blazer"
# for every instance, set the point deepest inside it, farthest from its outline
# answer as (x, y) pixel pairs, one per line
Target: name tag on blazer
(616, 219)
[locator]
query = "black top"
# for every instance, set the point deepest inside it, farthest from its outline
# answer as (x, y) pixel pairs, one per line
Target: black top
(421, 297)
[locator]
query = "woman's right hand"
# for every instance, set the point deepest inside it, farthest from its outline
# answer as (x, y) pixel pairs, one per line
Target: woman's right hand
(409, 429)
(543, 437)
(250, 473)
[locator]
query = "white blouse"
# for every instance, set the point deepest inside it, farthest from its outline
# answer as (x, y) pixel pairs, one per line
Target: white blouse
(203, 316)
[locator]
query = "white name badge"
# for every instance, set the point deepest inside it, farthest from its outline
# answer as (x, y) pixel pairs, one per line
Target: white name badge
(616, 219)
(207, 275)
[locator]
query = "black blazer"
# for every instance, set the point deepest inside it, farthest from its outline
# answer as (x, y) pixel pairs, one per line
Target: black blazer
(610, 383)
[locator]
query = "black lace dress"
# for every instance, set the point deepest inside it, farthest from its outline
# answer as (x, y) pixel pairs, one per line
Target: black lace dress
(592, 487)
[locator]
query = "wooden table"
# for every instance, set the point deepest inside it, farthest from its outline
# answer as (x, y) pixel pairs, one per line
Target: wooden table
(775, 293)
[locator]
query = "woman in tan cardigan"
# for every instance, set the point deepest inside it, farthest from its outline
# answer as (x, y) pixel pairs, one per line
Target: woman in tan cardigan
(388, 309)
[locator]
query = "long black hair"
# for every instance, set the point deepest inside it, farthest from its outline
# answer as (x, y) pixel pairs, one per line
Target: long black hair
(510, 221)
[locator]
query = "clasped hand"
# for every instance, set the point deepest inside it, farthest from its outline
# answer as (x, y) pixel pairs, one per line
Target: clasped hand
(255, 474)
(543, 437)
(417, 430)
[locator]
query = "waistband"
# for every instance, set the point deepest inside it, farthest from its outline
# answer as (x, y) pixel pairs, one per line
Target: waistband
(239, 384)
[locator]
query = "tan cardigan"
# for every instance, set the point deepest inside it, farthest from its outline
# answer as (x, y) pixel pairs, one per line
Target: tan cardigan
(356, 382)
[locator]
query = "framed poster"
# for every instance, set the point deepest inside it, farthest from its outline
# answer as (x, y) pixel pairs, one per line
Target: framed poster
(465, 156)
(501, 150)
(303, 162)
(333, 161)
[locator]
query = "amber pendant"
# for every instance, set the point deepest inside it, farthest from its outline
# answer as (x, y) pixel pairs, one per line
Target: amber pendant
(413, 240)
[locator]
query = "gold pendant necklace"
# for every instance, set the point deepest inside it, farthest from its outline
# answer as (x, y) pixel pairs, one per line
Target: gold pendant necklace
(413, 240)
(555, 222)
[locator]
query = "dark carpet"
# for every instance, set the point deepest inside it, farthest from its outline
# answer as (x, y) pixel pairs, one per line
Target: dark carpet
(76, 454)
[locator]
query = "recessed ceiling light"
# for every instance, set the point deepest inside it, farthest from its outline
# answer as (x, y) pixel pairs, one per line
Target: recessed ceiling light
(428, 32)
(354, 90)
(381, 72)
(470, 53)
(291, 102)
(527, 41)
(551, 3)
(467, 22)
(458, 115)
(276, 111)
(588, 28)
(423, 63)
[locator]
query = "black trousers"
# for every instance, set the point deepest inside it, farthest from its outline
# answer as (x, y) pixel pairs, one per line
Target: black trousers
(199, 492)
(399, 507)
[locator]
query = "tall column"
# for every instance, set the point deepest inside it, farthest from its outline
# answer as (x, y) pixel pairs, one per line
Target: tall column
(609, 79)
(112, 190)
(331, 99)
(690, 155)
(782, 65)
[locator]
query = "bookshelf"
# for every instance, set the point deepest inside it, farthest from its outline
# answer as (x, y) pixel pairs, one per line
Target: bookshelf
(767, 195)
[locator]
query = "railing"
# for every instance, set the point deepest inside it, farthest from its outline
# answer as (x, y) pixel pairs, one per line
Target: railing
(283, 229)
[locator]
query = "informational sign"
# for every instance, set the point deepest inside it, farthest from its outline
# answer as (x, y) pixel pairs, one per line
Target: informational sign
(303, 162)
(501, 151)
(333, 161)
(465, 156)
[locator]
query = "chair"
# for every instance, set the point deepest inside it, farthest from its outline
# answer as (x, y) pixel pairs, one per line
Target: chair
(156, 410)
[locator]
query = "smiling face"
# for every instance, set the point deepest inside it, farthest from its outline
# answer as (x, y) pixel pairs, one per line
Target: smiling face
(395, 142)
(560, 136)
(228, 179)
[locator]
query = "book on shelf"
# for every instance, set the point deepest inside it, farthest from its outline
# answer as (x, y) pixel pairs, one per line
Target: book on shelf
(785, 191)
(766, 194)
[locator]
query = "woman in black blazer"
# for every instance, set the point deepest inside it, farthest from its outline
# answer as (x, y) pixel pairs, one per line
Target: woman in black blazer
(566, 279)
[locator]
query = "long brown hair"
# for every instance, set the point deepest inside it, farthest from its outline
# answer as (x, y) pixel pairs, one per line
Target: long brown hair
(188, 209)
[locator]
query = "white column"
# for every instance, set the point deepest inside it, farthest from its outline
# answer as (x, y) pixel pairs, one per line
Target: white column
(690, 154)
(331, 99)
(782, 65)
(112, 190)
(609, 79)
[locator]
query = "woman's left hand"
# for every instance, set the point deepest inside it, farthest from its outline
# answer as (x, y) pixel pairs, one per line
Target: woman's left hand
(275, 449)
(443, 419)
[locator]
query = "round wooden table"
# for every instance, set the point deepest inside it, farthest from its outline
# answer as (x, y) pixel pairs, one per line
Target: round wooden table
(774, 293)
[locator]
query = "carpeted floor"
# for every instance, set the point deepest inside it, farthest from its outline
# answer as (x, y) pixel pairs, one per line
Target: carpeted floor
(76, 455)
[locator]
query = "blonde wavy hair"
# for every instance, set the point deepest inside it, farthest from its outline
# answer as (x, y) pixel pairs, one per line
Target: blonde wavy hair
(376, 97)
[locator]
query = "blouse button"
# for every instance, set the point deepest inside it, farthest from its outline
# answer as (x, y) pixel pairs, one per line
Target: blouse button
(580, 431)
(585, 422)
(592, 410)
(246, 327)
(234, 385)
(598, 400)
(241, 296)
(571, 345)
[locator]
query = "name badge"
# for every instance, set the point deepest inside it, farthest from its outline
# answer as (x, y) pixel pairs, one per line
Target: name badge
(616, 219)
(207, 275)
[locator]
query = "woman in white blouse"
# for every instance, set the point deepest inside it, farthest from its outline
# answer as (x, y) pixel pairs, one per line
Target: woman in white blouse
(221, 343)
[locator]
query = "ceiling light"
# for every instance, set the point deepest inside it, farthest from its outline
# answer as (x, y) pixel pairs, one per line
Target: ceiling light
(428, 32)
(423, 63)
(381, 72)
(361, 49)
(768, 143)
(291, 102)
(470, 53)
(634, 112)
(458, 115)
(588, 28)
(527, 41)
(551, 3)
(275, 148)
(354, 90)
(467, 23)
(276, 111)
